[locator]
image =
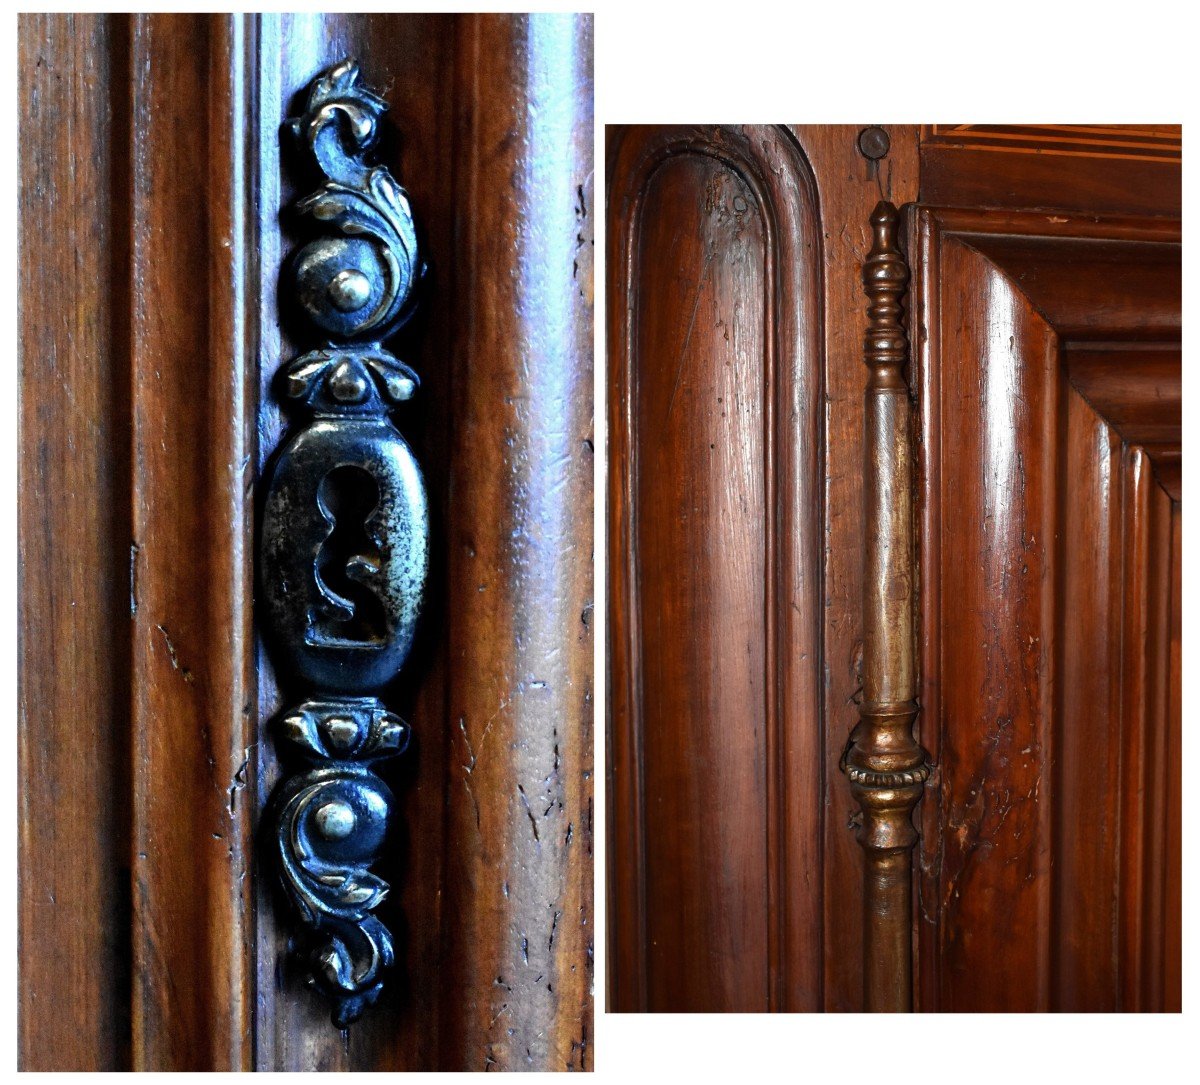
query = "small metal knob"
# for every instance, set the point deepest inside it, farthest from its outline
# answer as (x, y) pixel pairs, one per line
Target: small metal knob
(335, 820)
(874, 143)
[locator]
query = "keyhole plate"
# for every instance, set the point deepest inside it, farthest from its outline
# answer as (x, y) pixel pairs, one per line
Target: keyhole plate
(349, 563)
(345, 552)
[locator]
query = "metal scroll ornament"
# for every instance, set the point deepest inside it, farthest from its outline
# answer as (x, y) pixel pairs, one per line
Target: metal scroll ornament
(345, 544)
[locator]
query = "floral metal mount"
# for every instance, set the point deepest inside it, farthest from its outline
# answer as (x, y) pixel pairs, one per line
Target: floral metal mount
(344, 545)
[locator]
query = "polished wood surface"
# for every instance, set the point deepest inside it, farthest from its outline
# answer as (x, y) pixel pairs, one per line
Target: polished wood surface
(162, 317)
(1049, 390)
(1047, 379)
(1104, 168)
(162, 582)
(517, 946)
(191, 583)
(715, 423)
(73, 550)
(726, 372)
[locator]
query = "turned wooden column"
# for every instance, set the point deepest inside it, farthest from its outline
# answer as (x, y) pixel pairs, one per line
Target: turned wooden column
(885, 764)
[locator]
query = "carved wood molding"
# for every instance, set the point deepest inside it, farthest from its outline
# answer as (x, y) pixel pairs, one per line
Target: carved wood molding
(886, 766)
(1162, 142)
(1100, 169)
(1050, 423)
(1109, 289)
(742, 206)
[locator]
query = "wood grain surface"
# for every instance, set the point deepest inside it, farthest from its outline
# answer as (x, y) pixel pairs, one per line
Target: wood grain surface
(1049, 388)
(192, 682)
(147, 354)
(1048, 380)
(74, 536)
(735, 332)
(1131, 169)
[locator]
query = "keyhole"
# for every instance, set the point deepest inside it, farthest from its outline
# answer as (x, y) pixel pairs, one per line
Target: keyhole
(348, 563)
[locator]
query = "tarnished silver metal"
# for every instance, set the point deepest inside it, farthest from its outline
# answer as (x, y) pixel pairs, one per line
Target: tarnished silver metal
(345, 541)
(358, 279)
(344, 544)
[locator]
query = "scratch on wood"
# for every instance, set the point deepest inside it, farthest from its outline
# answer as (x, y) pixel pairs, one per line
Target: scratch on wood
(708, 259)
(529, 813)
(134, 550)
(184, 671)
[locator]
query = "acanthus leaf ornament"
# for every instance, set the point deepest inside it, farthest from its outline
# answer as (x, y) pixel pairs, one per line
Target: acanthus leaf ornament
(358, 282)
(344, 546)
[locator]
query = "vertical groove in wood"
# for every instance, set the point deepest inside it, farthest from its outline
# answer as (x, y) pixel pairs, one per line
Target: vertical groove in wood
(1157, 698)
(1087, 710)
(192, 672)
(886, 765)
(1149, 684)
(1135, 499)
(626, 973)
(73, 544)
(1046, 520)
(926, 306)
(773, 587)
(1173, 797)
(797, 571)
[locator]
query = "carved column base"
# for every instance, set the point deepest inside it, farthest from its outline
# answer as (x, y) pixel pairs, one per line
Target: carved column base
(887, 770)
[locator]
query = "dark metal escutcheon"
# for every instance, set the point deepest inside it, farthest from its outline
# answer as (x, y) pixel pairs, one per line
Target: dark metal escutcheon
(345, 551)
(344, 546)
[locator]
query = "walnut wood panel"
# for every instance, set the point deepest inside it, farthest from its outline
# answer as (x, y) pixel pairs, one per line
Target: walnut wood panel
(168, 174)
(517, 948)
(1049, 378)
(700, 552)
(73, 546)
(715, 566)
(1119, 169)
(192, 360)
(702, 916)
(490, 131)
(151, 281)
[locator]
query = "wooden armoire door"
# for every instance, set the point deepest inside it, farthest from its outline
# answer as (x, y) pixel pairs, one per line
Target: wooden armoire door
(156, 179)
(735, 324)
(1024, 309)
(1048, 374)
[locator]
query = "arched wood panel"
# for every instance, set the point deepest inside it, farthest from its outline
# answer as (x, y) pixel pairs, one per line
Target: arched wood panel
(715, 563)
